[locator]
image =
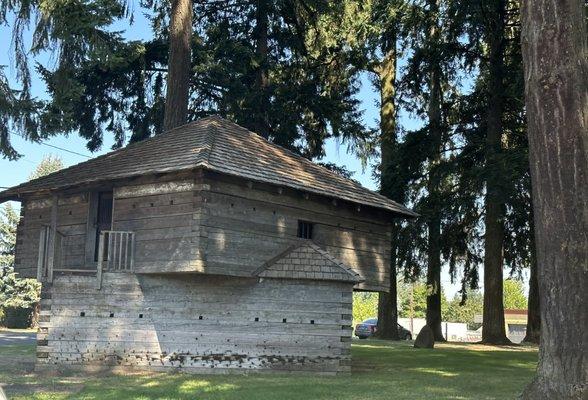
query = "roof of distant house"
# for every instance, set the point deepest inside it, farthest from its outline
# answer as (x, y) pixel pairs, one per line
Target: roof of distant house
(216, 144)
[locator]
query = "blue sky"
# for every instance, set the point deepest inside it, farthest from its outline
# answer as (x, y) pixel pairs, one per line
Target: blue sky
(15, 172)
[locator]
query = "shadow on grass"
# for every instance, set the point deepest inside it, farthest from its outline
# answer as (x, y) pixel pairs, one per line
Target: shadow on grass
(381, 370)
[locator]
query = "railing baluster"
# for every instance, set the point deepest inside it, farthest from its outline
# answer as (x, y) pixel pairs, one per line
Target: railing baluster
(126, 235)
(132, 250)
(109, 250)
(119, 250)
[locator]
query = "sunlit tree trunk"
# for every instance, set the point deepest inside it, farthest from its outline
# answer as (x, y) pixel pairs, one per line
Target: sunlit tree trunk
(433, 314)
(178, 75)
(555, 56)
(390, 185)
(261, 105)
(493, 328)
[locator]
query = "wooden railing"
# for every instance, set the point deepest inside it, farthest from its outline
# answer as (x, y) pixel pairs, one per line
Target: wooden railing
(116, 253)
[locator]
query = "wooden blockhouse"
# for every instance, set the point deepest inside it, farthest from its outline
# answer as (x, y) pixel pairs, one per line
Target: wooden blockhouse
(205, 248)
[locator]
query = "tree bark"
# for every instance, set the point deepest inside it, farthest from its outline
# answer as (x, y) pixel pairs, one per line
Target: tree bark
(261, 104)
(433, 314)
(390, 184)
(533, 333)
(178, 75)
(388, 301)
(554, 44)
(493, 328)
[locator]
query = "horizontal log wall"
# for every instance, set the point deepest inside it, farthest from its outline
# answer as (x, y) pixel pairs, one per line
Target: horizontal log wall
(72, 221)
(243, 227)
(196, 322)
(162, 217)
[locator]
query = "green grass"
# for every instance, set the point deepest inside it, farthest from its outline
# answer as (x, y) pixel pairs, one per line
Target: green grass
(382, 370)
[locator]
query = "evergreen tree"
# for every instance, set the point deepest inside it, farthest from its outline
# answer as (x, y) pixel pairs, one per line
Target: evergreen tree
(179, 62)
(8, 222)
(493, 159)
(428, 89)
(554, 50)
(48, 165)
(18, 115)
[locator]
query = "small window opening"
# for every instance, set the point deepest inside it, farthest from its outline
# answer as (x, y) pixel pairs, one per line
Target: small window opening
(256, 319)
(151, 204)
(69, 212)
(312, 321)
(140, 315)
(111, 315)
(305, 229)
(284, 320)
(171, 202)
(82, 314)
(200, 317)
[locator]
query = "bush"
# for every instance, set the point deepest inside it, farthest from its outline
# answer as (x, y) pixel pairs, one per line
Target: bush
(18, 299)
(18, 317)
(365, 305)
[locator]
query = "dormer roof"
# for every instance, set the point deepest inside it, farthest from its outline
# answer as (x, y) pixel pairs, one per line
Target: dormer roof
(306, 260)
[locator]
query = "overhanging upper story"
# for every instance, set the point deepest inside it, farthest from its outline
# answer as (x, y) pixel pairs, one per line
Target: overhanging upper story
(208, 197)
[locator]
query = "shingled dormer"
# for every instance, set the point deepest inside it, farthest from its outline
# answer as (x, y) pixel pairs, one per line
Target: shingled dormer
(306, 260)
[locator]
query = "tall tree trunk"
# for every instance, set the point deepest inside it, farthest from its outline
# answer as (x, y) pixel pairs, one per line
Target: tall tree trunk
(433, 313)
(533, 333)
(556, 80)
(390, 184)
(178, 72)
(261, 95)
(493, 328)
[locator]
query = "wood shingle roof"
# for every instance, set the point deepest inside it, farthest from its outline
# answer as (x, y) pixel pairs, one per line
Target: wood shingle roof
(306, 260)
(215, 144)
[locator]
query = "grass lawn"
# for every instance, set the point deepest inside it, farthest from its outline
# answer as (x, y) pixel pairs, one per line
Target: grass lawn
(382, 370)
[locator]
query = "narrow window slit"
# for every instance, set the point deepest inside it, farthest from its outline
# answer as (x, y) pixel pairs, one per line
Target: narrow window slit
(284, 320)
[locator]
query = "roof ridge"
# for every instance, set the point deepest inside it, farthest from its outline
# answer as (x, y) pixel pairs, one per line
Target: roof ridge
(214, 132)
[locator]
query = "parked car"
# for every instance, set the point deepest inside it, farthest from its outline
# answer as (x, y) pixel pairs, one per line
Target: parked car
(368, 327)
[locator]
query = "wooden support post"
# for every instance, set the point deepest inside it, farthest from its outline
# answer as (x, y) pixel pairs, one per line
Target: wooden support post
(41, 259)
(52, 241)
(132, 250)
(99, 263)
